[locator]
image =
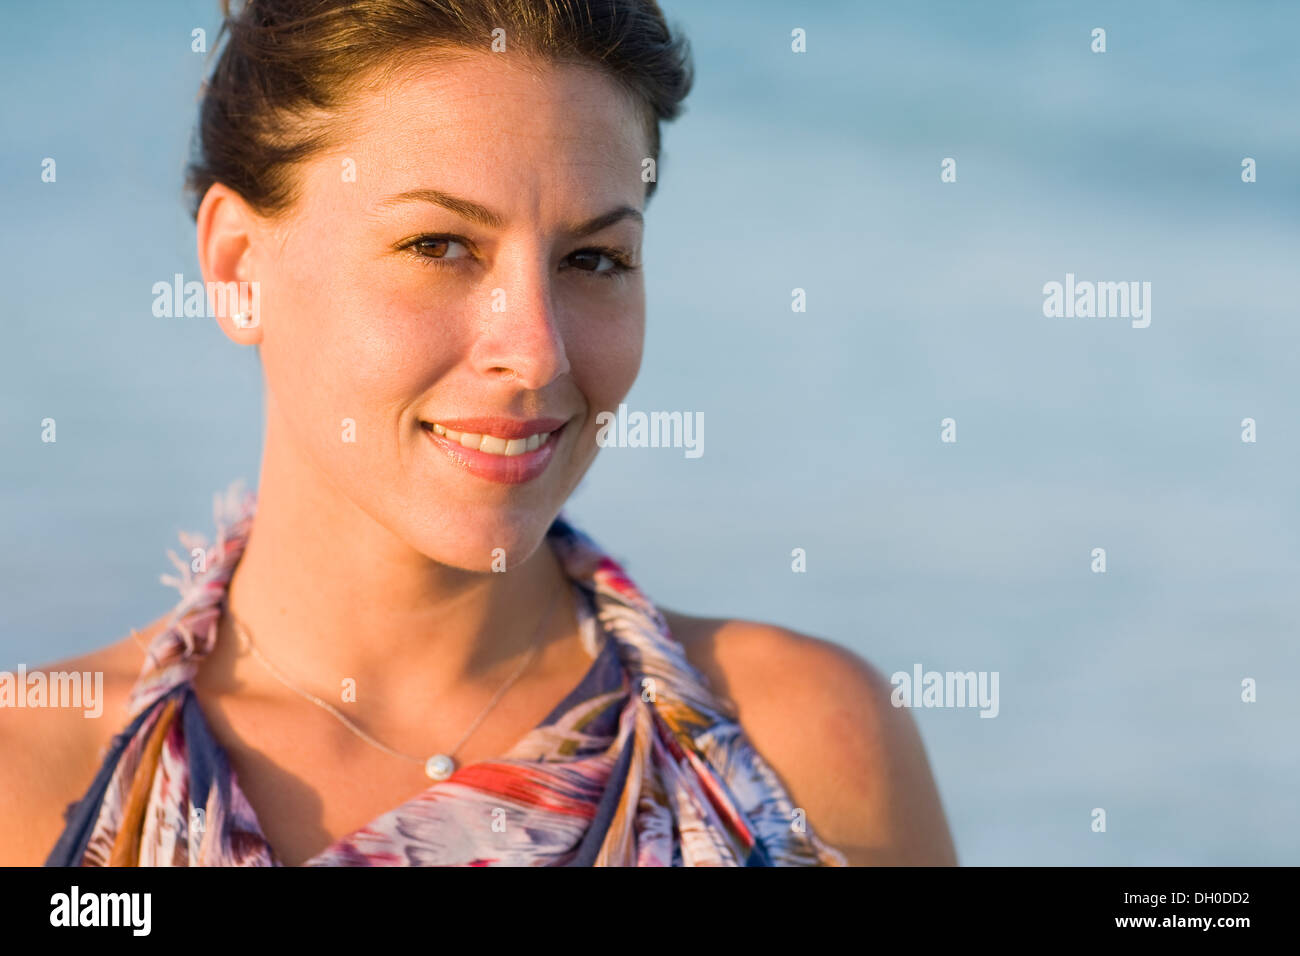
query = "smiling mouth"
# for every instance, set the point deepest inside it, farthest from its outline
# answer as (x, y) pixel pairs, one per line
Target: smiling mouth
(491, 444)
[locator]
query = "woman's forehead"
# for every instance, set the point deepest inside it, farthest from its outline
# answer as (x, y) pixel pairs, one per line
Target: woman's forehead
(487, 99)
(486, 128)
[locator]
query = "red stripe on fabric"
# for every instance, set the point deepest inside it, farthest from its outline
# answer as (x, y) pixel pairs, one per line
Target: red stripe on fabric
(523, 785)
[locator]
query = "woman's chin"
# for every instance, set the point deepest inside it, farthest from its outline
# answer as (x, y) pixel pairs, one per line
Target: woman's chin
(495, 546)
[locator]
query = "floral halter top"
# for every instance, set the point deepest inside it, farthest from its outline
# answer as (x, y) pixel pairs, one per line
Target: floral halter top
(640, 765)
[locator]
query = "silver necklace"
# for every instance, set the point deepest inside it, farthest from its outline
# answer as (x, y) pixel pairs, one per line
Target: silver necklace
(440, 766)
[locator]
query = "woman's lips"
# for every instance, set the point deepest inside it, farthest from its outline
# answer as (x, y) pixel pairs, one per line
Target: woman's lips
(500, 452)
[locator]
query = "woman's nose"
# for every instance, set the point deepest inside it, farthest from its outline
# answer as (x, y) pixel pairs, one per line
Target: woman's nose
(522, 340)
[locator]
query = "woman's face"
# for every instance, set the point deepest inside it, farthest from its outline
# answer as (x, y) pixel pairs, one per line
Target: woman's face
(459, 256)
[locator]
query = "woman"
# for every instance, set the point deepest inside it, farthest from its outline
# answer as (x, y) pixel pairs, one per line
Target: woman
(441, 209)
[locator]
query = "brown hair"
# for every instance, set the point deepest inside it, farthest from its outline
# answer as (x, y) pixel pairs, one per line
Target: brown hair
(287, 62)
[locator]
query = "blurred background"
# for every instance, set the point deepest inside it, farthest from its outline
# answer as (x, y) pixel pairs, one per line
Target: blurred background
(817, 171)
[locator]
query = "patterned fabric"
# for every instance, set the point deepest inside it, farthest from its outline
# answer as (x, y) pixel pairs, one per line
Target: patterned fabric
(640, 765)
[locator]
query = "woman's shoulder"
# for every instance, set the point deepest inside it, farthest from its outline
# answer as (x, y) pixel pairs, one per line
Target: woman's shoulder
(50, 752)
(823, 718)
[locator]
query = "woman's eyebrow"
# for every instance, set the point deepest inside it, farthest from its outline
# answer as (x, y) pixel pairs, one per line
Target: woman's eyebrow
(475, 212)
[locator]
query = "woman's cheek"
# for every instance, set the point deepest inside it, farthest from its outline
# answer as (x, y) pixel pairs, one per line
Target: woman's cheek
(393, 347)
(604, 369)
(320, 369)
(612, 361)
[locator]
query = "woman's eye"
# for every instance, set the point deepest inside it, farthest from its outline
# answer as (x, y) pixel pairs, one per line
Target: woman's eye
(437, 247)
(605, 263)
(590, 261)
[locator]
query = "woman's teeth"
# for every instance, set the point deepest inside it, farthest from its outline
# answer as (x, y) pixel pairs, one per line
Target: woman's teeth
(491, 444)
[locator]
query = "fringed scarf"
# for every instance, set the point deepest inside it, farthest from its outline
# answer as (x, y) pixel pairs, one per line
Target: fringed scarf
(640, 765)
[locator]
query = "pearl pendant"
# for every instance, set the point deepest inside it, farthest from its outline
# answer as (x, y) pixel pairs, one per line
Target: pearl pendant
(439, 767)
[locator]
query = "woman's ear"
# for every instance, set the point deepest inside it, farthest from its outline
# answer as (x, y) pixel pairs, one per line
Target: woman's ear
(226, 229)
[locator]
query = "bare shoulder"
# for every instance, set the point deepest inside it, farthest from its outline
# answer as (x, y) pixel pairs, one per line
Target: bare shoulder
(50, 752)
(822, 717)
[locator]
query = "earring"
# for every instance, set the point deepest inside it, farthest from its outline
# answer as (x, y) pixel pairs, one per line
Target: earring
(243, 320)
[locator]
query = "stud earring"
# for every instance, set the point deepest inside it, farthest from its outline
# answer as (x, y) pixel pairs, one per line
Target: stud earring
(243, 320)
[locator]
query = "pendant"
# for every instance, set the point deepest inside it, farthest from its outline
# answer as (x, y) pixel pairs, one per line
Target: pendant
(439, 767)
